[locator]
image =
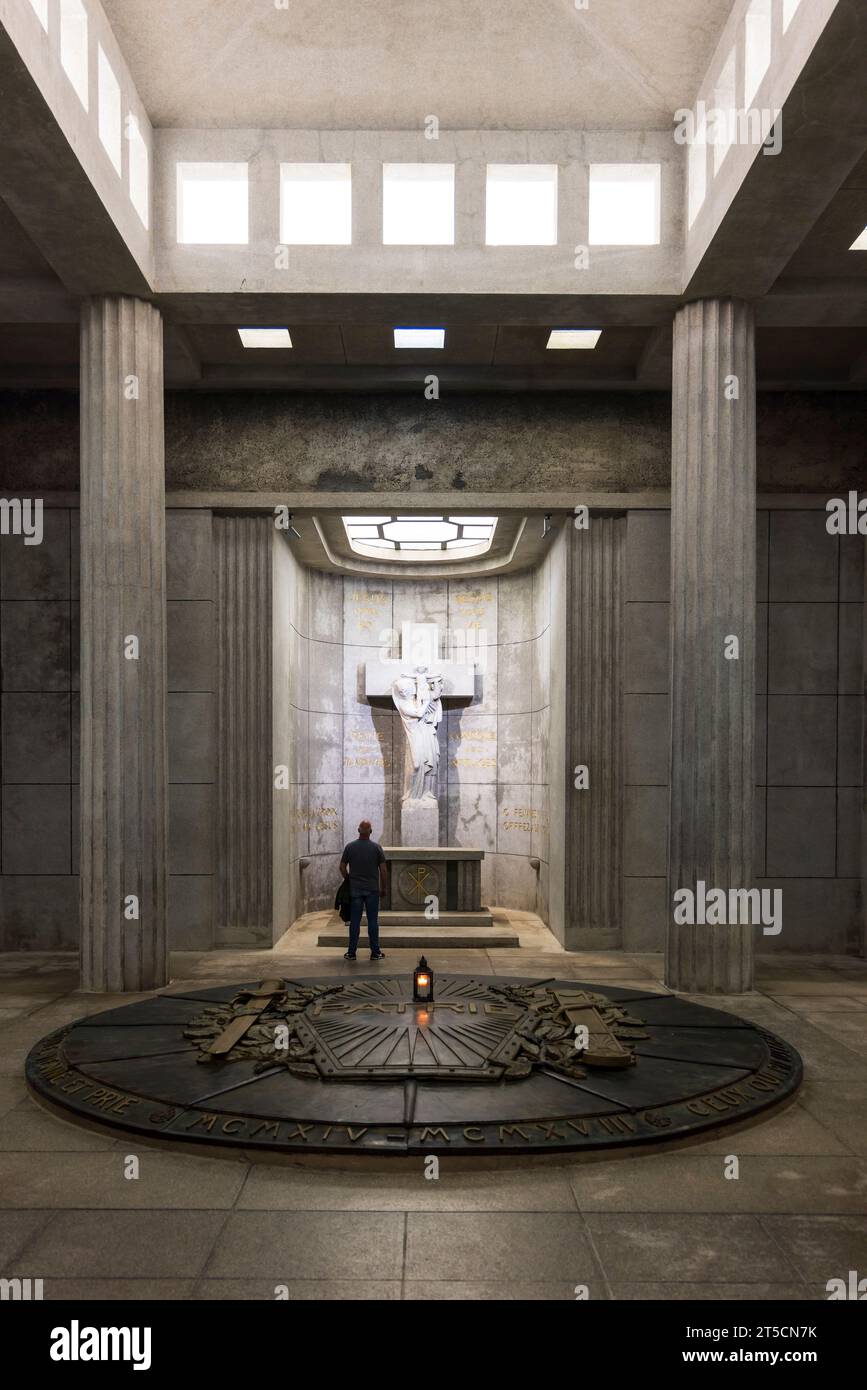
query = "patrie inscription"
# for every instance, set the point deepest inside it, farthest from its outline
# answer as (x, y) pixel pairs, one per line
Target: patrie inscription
(489, 1039)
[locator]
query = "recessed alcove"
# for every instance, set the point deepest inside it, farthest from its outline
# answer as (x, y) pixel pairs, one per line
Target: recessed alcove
(346, 750)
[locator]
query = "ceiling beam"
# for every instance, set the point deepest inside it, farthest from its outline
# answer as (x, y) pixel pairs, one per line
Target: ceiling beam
(653, 372)
(181, 361)
(34, 298)
(824, 134)
(47, 190)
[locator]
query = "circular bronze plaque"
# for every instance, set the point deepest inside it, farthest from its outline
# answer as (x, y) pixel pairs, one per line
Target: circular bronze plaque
(491, 1066)
(417, 881)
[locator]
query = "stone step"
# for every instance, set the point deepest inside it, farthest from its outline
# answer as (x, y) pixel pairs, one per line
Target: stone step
(394, 918)
(431, 939)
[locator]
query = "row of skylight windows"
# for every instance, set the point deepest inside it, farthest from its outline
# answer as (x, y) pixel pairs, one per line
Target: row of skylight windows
(74, 59)
(418, 204)
(568, 338)
(726, 123)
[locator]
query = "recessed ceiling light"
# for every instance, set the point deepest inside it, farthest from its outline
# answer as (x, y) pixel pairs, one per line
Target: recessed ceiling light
(573, 337)
(265, 337)
(860, 242)
(419, 337)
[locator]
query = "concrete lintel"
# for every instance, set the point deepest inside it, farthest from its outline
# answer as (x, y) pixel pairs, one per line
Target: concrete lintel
(654, 367)
(609, 310)
(781, 195)
(304, 504)
(33, 298)
(51, 195)
(651, 499)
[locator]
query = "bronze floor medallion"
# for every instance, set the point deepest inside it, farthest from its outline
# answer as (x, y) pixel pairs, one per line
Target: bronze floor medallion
(356, 1066)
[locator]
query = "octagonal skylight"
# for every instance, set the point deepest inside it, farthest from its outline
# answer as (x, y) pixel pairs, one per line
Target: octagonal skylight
(420, 537)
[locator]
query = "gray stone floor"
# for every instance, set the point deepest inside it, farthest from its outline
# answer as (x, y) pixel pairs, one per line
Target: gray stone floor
(660, 1225)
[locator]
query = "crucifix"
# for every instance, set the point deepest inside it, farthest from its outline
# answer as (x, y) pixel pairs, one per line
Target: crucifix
(417, 684)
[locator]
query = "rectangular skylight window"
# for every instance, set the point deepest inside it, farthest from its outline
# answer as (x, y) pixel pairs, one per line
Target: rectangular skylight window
(418, 205)
(697, 171)
(521, 205)
(139, 170)
(757, 46)
(213, 205)
(265, 337)
(316, 204)
(725, 106)
(73, 46)
(419, 337)
(860, 242)
(624, 204)
(573, 337)
(405, 536)
(790, 8)
(41, 8)
(110, 132)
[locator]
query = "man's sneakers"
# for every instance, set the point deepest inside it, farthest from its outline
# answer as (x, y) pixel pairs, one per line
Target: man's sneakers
(377, 955)
(349, 955)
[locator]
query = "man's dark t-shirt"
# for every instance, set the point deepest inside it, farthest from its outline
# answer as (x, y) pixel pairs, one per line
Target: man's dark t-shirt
(363, 858)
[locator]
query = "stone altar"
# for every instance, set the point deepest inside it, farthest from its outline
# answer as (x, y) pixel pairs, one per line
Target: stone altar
(451, 876)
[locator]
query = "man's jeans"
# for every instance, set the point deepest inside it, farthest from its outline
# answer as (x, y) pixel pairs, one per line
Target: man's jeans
(369, 902)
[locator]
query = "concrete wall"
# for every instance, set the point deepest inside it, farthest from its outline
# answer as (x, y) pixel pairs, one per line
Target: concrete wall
(314, 612)
(39, 761)
(347, 758)
(39, 713)
(285, 869)
(191, 721)
(552, 584)
(807, 441)
(809, 710)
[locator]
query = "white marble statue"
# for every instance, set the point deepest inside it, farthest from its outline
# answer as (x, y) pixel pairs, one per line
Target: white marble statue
(418, 700)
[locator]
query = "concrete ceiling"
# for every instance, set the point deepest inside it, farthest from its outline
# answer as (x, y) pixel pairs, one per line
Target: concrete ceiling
(345, 356)
(784, 242)
(387, 64)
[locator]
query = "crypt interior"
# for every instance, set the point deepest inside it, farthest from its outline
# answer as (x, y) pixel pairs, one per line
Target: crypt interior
(335, 356)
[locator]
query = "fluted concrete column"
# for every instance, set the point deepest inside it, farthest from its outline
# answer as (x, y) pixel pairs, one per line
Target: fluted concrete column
(595, 733)
(243, 546)
(862, 943)
(713, 598)
(123, 647)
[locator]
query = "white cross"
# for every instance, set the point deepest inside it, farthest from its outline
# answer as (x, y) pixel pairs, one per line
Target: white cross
(419, 647)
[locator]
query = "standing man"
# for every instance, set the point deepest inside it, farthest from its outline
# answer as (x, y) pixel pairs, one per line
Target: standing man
(363, 864)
